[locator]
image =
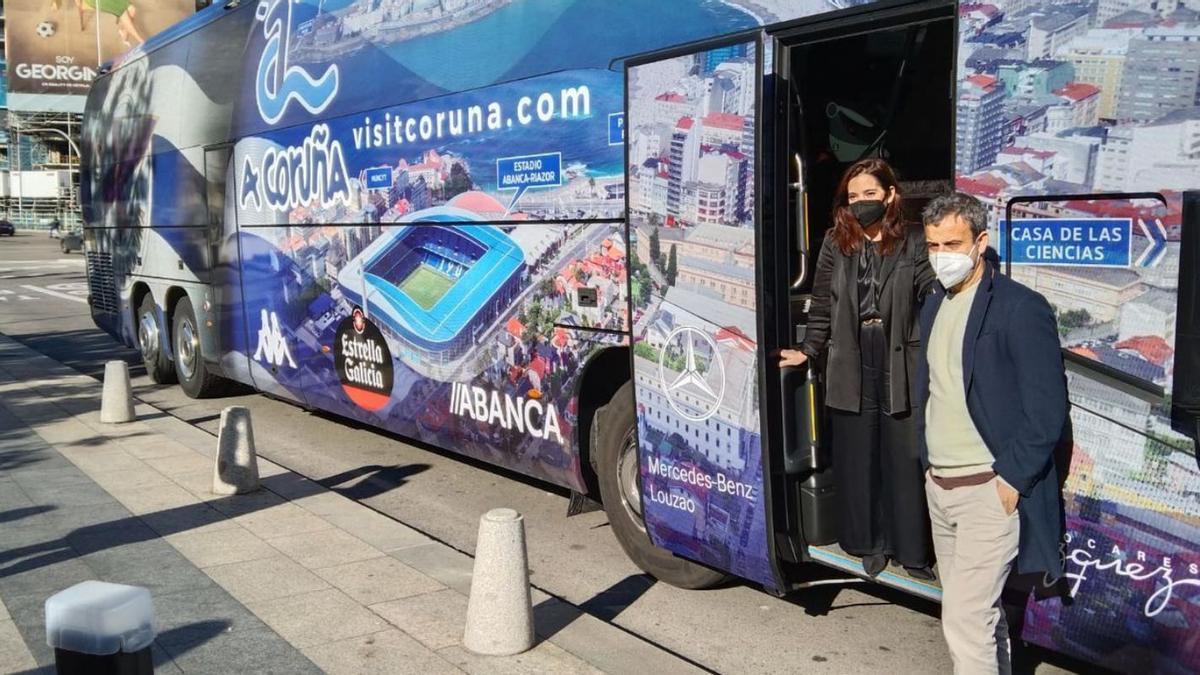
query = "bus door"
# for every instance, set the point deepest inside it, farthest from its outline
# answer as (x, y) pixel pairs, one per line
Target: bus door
(221, 302)
(889, 97)
(1120, 272)
(269, 291)
(692, 132)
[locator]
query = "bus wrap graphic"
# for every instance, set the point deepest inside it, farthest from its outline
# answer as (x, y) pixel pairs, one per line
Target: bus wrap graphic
(272, 346)
(530, 171)
(277, 82)
(363, 361)
(696, 347)
(1085, 242)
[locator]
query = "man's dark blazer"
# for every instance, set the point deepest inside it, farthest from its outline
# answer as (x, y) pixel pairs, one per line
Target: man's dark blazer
(833, 323)
(1017, 397)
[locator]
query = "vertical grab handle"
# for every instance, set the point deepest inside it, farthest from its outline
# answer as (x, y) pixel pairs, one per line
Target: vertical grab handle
(801, 428)
(800, 232)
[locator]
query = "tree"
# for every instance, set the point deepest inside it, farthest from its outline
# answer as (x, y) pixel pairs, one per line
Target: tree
(1074, 318)
(655, 245)
(1156, 454)
(672, 266)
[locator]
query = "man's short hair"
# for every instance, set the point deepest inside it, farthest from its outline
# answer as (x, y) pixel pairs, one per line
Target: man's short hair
(959, 204)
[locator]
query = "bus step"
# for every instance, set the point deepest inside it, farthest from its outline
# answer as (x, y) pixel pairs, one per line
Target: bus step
(833, 556)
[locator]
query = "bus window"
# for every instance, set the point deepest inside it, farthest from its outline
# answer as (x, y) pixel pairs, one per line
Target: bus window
(216, 164)
(1112, 267)
(1109, 267)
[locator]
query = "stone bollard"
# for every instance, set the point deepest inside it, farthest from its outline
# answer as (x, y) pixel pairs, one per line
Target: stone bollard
(236, 471)
(116, 401)
(499, 610)
(98, 628)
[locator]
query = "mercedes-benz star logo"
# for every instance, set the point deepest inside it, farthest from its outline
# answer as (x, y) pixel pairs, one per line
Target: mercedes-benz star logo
(690, 393)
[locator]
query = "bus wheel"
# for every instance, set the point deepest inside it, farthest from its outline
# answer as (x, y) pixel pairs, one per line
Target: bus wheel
(149, 337)
(620, 489)
(194, 377)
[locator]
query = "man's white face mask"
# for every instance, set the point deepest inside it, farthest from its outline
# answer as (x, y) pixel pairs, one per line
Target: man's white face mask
(952, 267)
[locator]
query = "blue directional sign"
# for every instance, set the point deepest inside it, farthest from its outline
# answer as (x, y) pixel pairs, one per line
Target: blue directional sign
(379, 178)
(1157, 234)
(528, 171)
(616, 128)
(1082, 242)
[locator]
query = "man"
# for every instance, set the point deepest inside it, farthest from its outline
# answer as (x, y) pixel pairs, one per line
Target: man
(992, 405)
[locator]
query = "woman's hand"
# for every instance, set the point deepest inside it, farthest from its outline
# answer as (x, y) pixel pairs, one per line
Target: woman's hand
(792, 357)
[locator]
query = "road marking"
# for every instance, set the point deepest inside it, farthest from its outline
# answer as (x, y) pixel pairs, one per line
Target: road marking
(55, 293)
(74, 288)
(69, 261)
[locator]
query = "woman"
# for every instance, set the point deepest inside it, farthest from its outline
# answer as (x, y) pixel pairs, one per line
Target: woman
(872, 271)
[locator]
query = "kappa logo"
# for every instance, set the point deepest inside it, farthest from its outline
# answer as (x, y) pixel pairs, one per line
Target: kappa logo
(272, 346)
(691, 393)
(278, 83)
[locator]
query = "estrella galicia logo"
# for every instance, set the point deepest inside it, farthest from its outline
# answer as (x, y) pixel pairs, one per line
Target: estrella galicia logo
(691, 373)
(272, 345)
(278, 83)
(363, 361)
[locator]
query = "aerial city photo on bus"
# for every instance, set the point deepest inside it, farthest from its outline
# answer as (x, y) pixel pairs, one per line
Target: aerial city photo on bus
(741, 336)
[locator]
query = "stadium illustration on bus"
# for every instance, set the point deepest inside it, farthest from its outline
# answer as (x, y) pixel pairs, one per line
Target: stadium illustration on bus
(458, 222)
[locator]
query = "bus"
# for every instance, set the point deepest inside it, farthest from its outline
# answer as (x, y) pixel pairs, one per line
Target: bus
(561, 236)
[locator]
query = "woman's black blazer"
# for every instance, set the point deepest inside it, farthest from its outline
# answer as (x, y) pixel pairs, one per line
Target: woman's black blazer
(833, 323)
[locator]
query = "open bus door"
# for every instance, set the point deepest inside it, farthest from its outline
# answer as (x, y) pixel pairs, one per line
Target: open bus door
(693, 155)
(877, 83)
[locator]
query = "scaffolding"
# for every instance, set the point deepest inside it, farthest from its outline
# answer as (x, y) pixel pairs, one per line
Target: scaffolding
(42, 141)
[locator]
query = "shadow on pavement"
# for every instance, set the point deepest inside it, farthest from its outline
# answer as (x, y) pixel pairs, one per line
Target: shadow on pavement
(553, 615)
(24, 512)
(610, 602)
(183, 639)
(134, 529)
(379, 480)
(85, 351)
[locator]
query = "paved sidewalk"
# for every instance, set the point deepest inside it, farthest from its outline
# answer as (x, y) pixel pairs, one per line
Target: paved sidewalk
(291, 579)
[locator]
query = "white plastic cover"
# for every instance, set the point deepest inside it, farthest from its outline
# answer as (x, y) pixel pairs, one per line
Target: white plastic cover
(98, 618)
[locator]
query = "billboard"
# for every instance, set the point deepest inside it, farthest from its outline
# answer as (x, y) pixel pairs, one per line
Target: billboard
(54, 47)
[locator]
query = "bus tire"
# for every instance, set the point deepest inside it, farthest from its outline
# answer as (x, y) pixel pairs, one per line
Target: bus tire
(614, 441)
(194, 377)
(150, 341)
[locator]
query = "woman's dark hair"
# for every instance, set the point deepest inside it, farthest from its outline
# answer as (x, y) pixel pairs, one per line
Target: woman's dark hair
(847, 233)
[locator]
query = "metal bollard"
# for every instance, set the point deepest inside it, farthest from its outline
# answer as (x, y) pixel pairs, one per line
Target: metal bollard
(98, 628)
(499, 609)
(236, 470)
(116, 400)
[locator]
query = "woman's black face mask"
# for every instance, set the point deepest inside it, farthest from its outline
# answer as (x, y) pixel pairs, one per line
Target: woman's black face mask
(868, 211)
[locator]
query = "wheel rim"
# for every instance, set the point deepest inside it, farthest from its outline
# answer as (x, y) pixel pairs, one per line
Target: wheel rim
(629, 480)
(148, 337)
(186, 348)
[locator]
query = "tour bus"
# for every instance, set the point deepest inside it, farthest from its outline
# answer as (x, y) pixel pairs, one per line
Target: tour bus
(564, 236)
